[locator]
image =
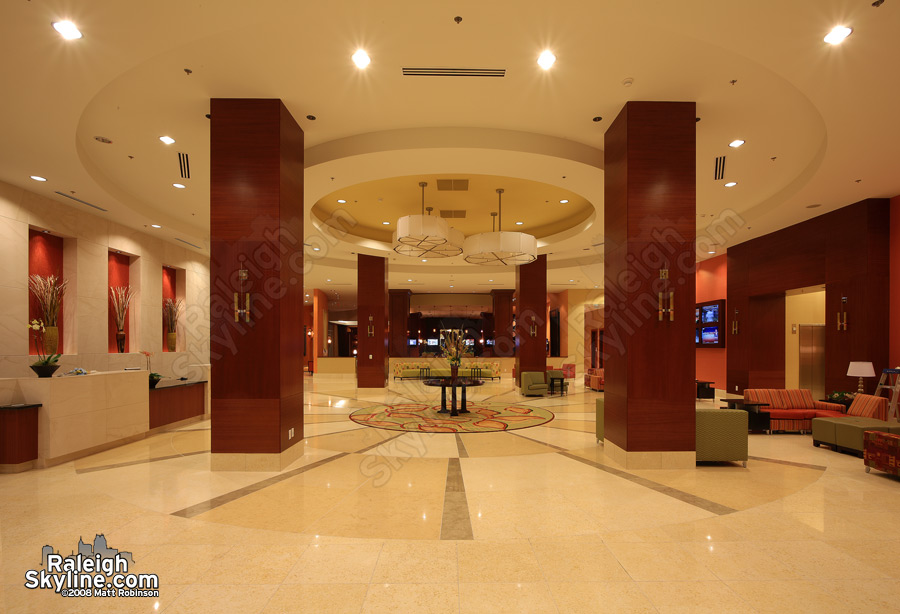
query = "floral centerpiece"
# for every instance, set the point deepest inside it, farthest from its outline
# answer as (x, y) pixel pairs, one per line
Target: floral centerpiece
(842, 398)
(154, 377)
(46, 363)
(454, 347)
(120, 298)
(48, 291)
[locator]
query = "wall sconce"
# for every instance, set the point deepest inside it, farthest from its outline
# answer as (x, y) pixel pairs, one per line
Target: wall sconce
(842, 315)
(532, 330)
(734, 323)
(329, 341)
(371, 328)
(242, 298)
(666, 298)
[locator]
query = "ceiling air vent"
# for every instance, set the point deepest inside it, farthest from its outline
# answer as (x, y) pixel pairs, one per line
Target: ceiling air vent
(453, 185)
(184, 165)
(454, 72)
(83, 202)
(446, 213)
(720, 168)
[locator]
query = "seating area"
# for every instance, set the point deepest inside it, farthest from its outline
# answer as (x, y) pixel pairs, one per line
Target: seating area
(441, 368)
(792, 410)
(593, 379)
(722, 435)
(534, 384)
(846, 433)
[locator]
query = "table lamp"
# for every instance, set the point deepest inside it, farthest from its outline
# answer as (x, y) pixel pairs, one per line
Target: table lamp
(861, 370)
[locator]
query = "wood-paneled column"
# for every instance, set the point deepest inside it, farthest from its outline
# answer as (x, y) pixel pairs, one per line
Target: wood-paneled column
(320, 327)
(372, 302)
(650, 226)
(531, 317)
(504, 341)
(399, 323)
(256, 225)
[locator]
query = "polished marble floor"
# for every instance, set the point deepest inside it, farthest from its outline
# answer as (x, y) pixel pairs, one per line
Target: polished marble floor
(537, 520)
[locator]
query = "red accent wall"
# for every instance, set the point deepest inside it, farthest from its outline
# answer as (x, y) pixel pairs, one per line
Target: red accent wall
(168, 291)
(118, 276)
(712, 285)
(45, 257)
(895, 282)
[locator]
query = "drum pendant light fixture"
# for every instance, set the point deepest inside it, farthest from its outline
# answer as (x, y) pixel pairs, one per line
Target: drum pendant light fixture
(510, 248)
(424, 235)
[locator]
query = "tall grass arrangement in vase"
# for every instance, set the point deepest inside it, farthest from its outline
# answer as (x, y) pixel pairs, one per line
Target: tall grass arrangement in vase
(49, 292)
(171, 310)
(119, 299)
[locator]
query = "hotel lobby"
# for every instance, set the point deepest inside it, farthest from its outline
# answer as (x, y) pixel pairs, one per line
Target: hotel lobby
(331, 221)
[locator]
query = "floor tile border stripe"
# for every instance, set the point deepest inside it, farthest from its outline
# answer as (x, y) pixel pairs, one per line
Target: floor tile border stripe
(142, 461)
(704, 504)
(461, 447)
(787, 462)
(456, 523)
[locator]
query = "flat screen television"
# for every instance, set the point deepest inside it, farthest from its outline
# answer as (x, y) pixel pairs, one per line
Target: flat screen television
(489, 342)
(412, 342)
(697, 341)
(697, 316)
(710, 335)
(469, 341)
(709, 314)
(711, 324)
(432, 342)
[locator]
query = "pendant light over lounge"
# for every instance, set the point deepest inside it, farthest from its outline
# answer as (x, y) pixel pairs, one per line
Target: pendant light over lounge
(424, 235)
(509, 248)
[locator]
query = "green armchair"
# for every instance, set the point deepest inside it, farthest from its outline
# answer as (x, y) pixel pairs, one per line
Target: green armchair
(534, 384)
(722, 435)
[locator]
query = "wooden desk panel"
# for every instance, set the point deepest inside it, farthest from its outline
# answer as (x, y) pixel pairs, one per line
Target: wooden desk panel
(18, 434)
(174, 403)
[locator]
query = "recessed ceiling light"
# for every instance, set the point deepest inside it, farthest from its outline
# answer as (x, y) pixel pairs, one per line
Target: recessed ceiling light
(816, 206)
(180, 186)
(341, 201)
(424, 260)
(731, 184)
(571, 280)
(327, 280)
(360, 58)
(46, 232)
(408, 280)
(386, 223)
(490, 280)
(67, 30)
(546, 59)
(736, 143)
(167, 140)
(38, 178)
(315, 249)
(451, 286)
(711, 251)
(564, 201)
(155, 226)
(519, 223)
(837, 35)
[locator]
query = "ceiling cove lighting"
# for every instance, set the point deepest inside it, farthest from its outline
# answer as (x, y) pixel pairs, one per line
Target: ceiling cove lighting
(155, 226)
(360, 58)
(67, 30)
(564, 201)
(38, 178)
(342, 201)
(167, 140)
(736, 143)
(501, 247)
(546, 59)
(426, 235)
(180, 186)
(837, 35)
(731, 184)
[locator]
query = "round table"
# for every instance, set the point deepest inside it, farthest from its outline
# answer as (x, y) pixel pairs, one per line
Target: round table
(459, 382)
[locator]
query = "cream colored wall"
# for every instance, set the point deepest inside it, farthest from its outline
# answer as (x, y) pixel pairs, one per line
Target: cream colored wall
(808, 308)
(579, 302)
(337, 365)
(87, 241)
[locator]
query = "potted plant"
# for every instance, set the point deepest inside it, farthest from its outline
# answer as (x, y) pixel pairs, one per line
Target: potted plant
(154, 377)
(49, 293)
(842, 398)
(171, 311)
(454, 348)
(46, 364)
(120, 297)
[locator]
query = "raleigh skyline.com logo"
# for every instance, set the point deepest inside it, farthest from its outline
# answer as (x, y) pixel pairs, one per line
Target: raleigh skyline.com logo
(94, 570)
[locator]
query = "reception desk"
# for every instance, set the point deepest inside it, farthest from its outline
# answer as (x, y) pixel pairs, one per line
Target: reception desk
(84, 414)
(175, 401)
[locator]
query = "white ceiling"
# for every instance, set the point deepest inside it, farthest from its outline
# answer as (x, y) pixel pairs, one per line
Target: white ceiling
(824, 113)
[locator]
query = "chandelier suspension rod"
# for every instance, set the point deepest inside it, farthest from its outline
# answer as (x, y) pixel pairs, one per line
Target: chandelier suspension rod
(499, 210)
(422, 185)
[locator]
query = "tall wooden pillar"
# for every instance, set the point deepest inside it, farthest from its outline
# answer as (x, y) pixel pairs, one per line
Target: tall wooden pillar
(372, 314)
(504, 341)
(399, 323)
(415, 331)
(531, 317)
(650, 227)
(320, 327)
(256, 232)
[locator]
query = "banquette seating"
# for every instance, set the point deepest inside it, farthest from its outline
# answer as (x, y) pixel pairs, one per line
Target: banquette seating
(435, 368)
(845, 433)
(792, 410)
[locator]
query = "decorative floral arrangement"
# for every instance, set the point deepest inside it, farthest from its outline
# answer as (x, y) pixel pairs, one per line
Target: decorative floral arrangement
(37, 330)
(120, 297)
(841, 397)
(153, 376)
(49, 293)
(171, 311)
(454, 347)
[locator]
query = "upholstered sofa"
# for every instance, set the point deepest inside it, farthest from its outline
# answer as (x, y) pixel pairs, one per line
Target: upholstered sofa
(593, 379)
(722, 435)
(792, 410)
(845, 433)
(412, 370)
(534, 383)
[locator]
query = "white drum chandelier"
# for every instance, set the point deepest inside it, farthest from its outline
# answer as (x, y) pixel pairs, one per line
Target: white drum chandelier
(500, 247)
(422, 236)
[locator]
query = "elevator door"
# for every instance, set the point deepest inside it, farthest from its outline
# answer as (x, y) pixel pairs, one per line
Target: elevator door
(812, 359)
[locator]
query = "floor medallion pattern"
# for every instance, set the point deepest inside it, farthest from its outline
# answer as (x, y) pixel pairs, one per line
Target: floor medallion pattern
(483, 417)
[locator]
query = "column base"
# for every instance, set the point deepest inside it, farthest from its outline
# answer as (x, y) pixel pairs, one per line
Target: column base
(650, 460)
(229, 461)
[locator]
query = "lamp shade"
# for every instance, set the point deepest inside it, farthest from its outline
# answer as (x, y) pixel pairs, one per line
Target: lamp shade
(501, 248)
(861, 369)
(422, 230)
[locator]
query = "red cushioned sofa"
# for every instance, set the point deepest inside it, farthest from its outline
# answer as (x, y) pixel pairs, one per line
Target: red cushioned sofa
(593, 379)
(792, 410)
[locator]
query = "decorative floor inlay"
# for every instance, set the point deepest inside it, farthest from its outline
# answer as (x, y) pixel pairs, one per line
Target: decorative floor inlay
(483, 417)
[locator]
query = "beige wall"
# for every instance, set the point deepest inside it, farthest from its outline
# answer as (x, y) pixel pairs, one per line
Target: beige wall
(579, 301)
(807, 308)
(87, 241)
